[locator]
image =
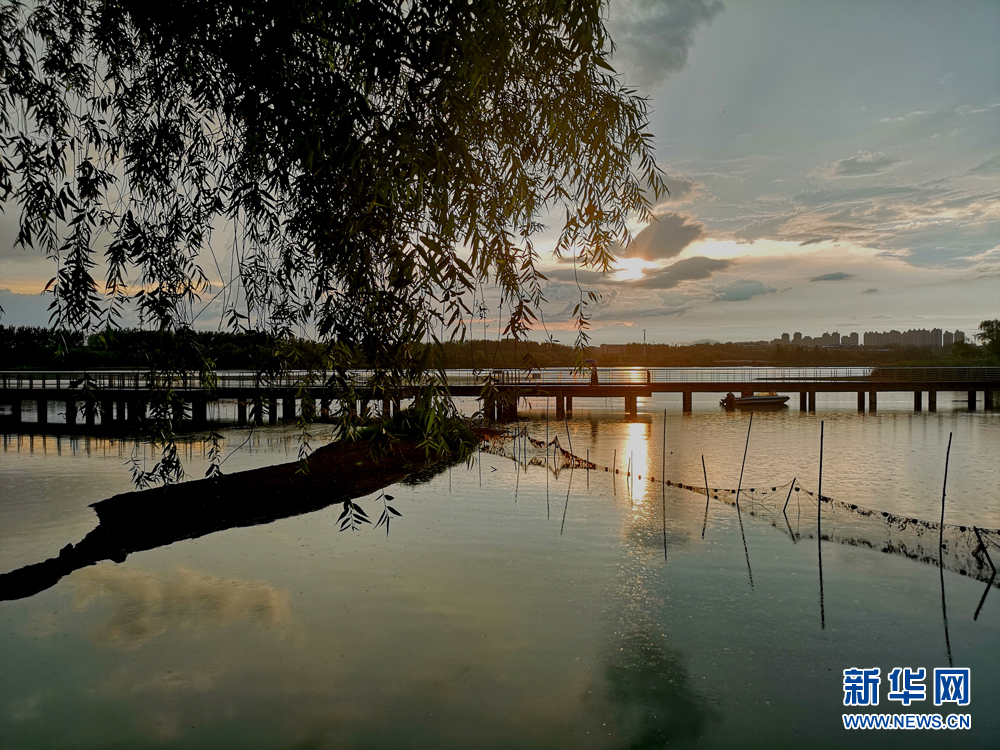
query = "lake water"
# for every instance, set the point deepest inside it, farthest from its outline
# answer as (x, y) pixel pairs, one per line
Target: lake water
(510, 607)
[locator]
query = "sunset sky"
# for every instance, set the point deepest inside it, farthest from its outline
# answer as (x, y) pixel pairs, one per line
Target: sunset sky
(833, 166)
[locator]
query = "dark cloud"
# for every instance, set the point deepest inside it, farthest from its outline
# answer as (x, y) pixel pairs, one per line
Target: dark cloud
(862, 164)
(836, 276)
(870, 290)
(741, 290)
(585, 276)
(635, 314)
(665, 238)
(924, 224)
(989, 167)
(681, 188)
(689, 269)
(653, 37)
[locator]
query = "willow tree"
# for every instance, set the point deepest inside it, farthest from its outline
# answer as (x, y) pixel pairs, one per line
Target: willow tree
(370, 161)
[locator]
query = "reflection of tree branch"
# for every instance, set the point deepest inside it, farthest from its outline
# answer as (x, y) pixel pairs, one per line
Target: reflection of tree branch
(138, 521)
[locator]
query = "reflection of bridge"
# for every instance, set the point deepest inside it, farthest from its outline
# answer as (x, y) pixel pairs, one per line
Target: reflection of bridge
(119, 397)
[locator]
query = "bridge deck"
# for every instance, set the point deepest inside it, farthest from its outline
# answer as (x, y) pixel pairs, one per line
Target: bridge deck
(129, 389)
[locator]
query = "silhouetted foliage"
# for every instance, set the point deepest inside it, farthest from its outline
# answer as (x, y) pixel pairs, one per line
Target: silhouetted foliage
(375, 161)
(989, 336)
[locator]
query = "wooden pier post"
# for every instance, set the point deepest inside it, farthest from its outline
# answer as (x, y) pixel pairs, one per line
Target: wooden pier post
(42, 409)
(686, 402)
(199, 412)
(561, 407)
(288, 408)
(988, 400)
(15, 410)
(803, 406)
(569, 406)
(931, 400)
(861, 401)
(632, 405)
(918, 401)
(70, 412)
(812, 401)
(872, 402)
(272, 411)
(241, 412)
(972, 400)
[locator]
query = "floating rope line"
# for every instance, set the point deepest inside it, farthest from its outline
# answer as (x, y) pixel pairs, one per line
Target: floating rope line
(964, 550)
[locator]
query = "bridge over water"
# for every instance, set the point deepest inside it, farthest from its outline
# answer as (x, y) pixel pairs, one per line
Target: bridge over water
(120, 397)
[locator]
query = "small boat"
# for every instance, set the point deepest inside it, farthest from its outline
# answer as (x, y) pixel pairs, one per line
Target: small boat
(758, 399)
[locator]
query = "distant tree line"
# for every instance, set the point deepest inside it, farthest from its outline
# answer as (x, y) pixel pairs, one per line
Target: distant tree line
(40, 348)
(25, 347)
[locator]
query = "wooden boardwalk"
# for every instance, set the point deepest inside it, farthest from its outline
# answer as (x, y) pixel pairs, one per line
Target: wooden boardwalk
(119, 398)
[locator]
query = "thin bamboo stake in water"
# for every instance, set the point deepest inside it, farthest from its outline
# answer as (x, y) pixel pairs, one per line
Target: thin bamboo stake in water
(614, 472)
(704, 473)
(819, 529)
(989, 585)
(789, 494)
(739, 513)
(663, 482)
(569, 439)
(944, 608)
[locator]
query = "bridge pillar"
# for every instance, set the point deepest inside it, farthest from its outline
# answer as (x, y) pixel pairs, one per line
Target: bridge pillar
(178, 413)
(199, 412)
(686, 402)
(15, 410)
(931, 400)
(90, 412)
(258, 410)
(972, 400)
(324, 408)
(107, 412)
(918, 401)
(386, 408)
(872, 402)
(988, 400)
(288, 408)
(70, 412)
(241, 412)
(120, 411)
(812, 401)
(561, 407)
(272, 411)
(569, 406)
(803, 406)
(861, 401)
(632, 405)
(42, 409)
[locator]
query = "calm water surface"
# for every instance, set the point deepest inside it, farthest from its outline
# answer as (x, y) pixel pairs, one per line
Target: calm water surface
(522, 609)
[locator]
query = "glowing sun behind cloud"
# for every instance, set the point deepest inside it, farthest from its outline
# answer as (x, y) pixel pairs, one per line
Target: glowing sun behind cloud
(630, 269)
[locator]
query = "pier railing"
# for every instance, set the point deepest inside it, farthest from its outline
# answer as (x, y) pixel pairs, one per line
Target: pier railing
(138, 380)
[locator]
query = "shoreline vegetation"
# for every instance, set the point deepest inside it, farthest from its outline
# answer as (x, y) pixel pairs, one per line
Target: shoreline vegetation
(24, 347)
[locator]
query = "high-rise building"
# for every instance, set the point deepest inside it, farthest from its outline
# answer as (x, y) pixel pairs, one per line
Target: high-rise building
(959, 337)
(797, 338)
(948, 338)
(784, 338)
